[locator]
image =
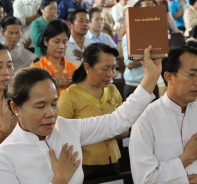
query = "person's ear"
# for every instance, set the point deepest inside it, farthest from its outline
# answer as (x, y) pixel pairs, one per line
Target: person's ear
(87, 67)
(69, 24)
(45, 42)
(14, 108)
(168, 77)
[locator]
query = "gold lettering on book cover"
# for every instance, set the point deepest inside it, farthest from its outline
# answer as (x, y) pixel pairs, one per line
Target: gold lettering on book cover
(147, 19)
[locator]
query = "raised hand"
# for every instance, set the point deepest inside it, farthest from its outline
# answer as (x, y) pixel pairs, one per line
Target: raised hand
(151, 66)
(65, 167)
(152, 71)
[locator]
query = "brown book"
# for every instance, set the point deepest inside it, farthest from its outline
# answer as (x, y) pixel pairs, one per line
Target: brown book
(146, 26)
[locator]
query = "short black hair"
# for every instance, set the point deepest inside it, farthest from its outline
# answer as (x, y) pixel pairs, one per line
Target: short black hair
(92, 11)
(72, 16)
(172, 63)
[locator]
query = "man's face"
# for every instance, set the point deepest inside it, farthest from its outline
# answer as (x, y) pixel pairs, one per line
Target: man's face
(80, 25)
(97, 22)
(182, 88)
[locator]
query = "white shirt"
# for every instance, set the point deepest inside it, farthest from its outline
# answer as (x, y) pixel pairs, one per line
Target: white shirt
(158, 139)
(131, 2)
(72, 45)
(25, 160)
(190, 19)
(118, 14)
(102, 38)
(22, 10)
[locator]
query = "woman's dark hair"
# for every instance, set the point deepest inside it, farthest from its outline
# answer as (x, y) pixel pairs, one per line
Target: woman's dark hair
(52, 29)
(9, 20)
(43, 4)
(20, 85)
(91, 56)
(4, 47)
(172, 63)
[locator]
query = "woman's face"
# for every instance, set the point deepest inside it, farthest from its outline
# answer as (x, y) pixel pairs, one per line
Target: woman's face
(50, 12)
(12, 35)
(39, 113)
(102, 73)
(56, 46)
(6, 68)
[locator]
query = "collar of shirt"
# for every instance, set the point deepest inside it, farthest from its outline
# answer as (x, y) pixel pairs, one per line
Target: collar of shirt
(71, 39)
(173, 106)
(91, 36)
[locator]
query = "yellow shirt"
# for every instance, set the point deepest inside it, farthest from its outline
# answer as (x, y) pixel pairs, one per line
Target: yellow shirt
(74, 102)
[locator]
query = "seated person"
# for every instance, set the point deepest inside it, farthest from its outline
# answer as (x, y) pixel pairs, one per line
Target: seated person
(177, 8)
(78, 23)
(47, 12)
(12, 33)
(96, 96)
(95, 27)
(163, 142)
(26, 11)
(7, 118)
(53, 46)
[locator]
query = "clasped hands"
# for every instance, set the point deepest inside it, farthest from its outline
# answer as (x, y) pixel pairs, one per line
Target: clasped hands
(62, 80)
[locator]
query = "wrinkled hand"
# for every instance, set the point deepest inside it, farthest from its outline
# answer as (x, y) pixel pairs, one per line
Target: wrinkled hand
(78, 54)
(192, 179)
(151, 67)
(65, 167)
(62, 80)
(27, 42)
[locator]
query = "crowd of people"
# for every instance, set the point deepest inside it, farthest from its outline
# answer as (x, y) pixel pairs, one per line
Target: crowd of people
(62, 116)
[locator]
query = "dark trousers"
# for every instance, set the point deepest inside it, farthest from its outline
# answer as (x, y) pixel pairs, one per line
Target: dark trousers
(98, 171)
(130, 89)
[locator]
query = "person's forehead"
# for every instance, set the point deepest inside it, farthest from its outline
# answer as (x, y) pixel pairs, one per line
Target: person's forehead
(188, 60)
(97, 14)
